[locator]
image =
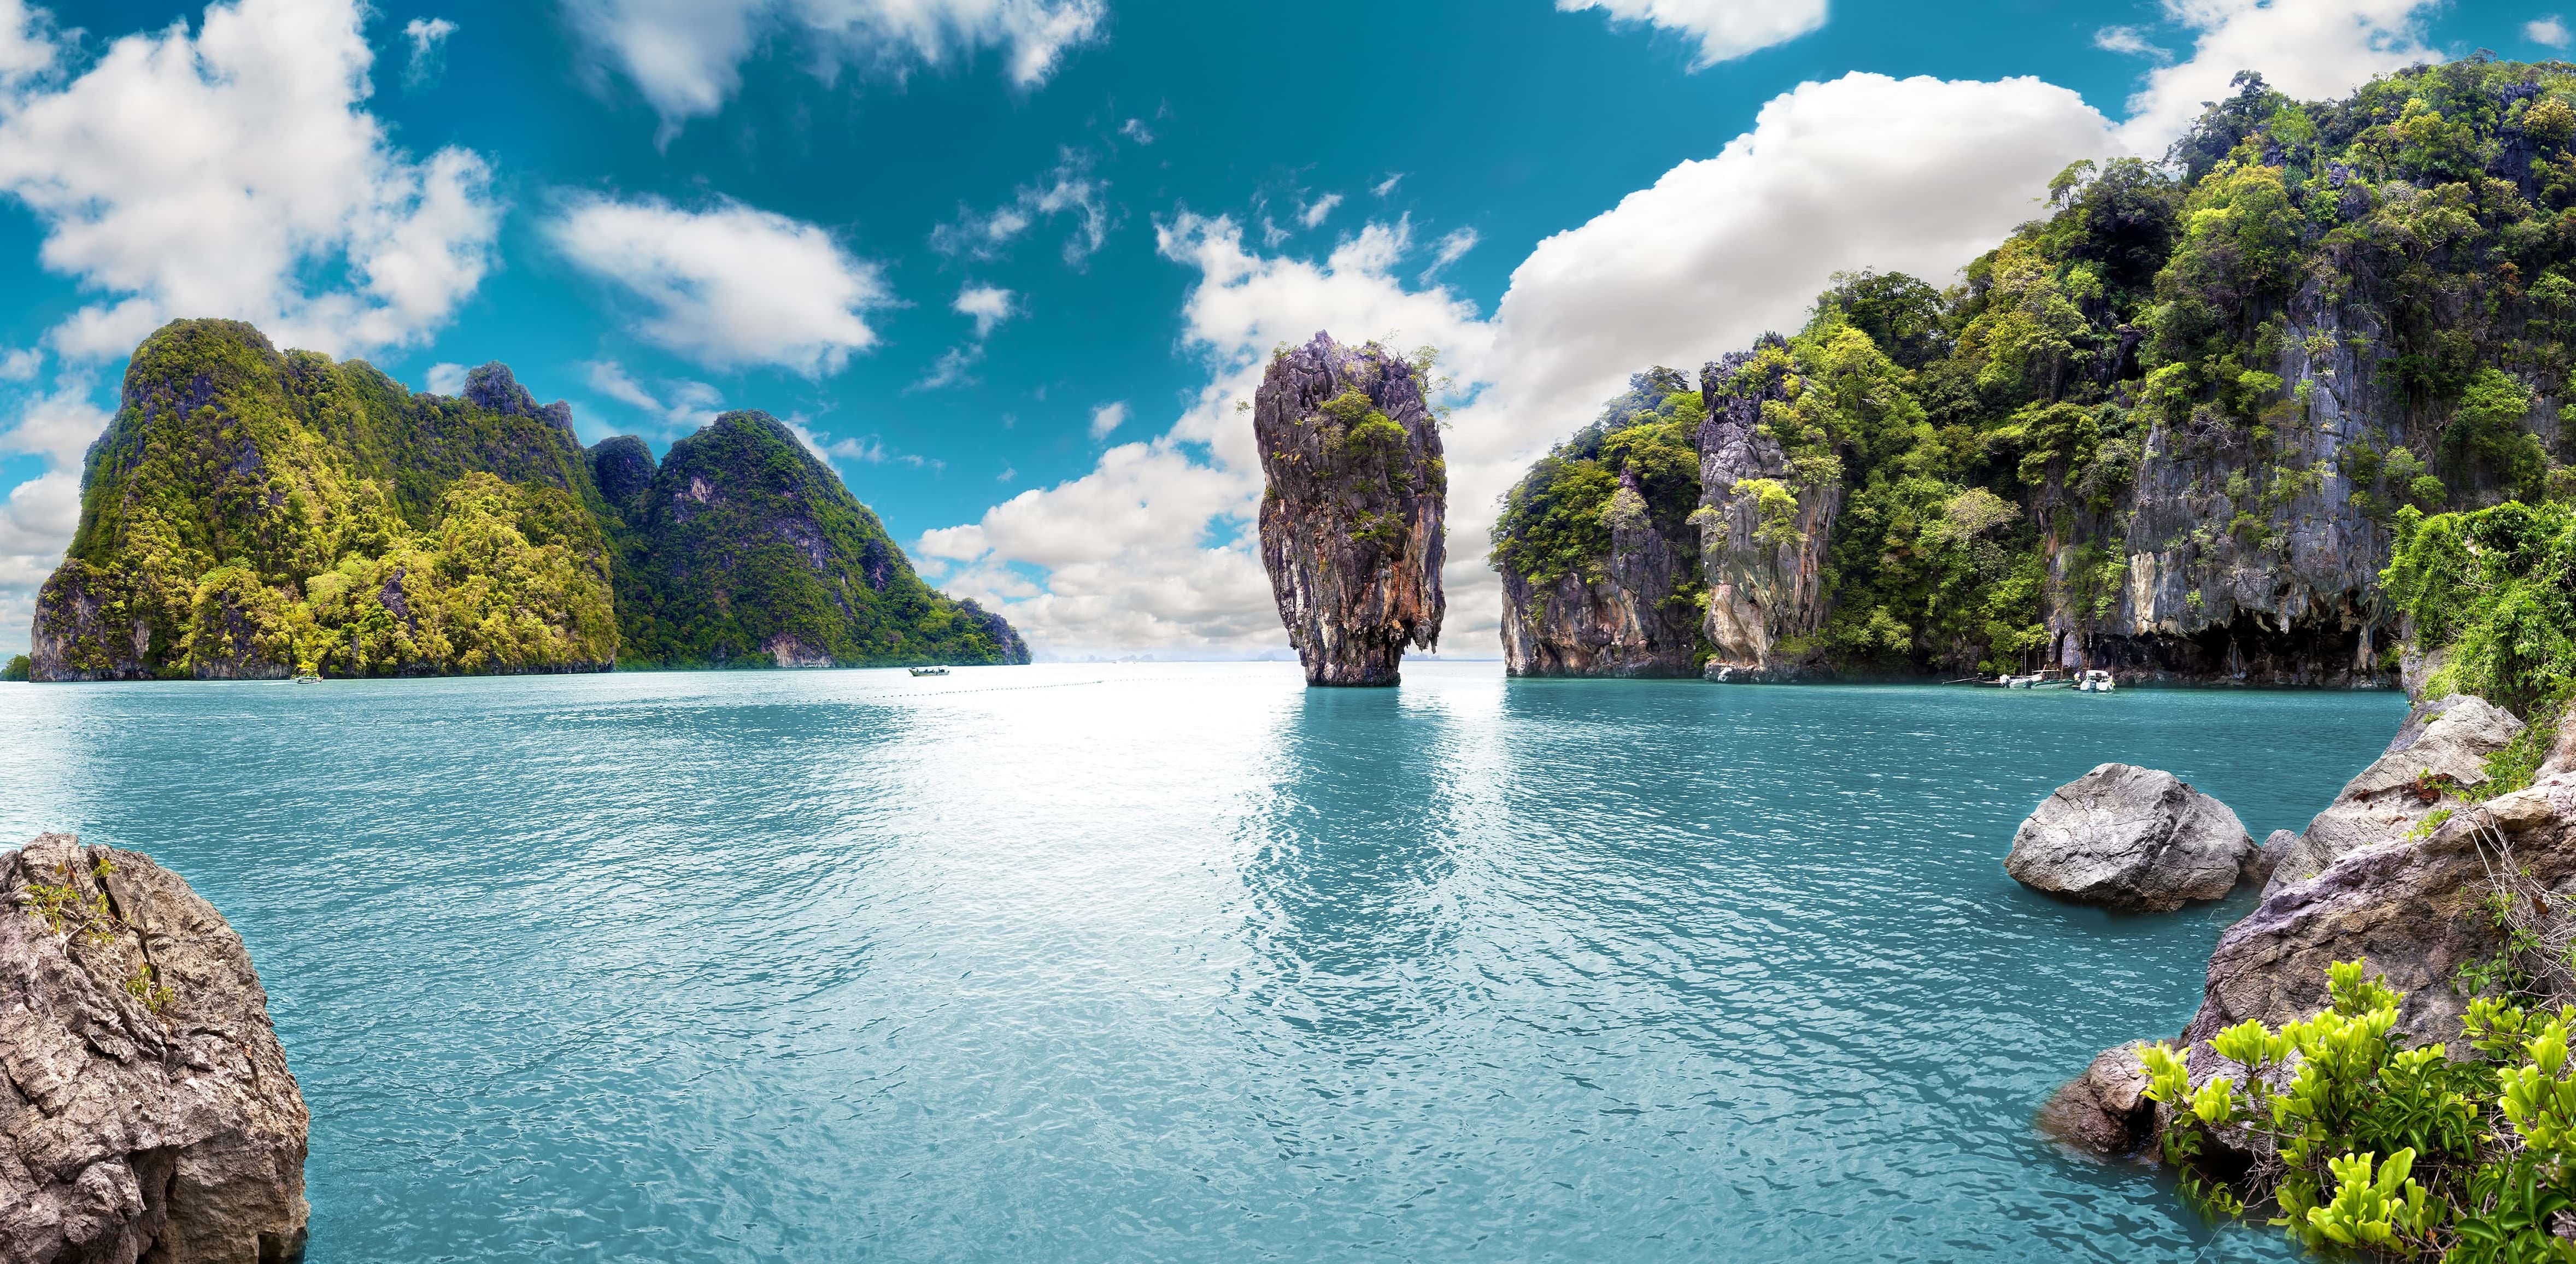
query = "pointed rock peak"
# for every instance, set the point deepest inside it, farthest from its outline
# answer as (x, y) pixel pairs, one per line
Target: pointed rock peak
(492, 386)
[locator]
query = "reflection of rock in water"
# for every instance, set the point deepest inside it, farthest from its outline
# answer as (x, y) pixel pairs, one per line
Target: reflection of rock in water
(1350, 851)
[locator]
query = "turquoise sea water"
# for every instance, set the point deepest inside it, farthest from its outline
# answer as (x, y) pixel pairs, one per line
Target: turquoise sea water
(1177, 962)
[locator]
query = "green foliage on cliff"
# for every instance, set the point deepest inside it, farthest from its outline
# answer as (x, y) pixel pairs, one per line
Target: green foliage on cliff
(20, 668)
(255, 513)
(1556, 521)
(2411, 248)
(2493, 591)
(252, 513)
(2361, 1139)
(746, 550)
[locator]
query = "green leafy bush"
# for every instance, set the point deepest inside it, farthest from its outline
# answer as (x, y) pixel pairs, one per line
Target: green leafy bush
(2359, 1139)
(20, 667)
(2491, 588)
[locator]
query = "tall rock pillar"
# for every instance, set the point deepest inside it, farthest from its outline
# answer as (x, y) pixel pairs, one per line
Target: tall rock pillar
(1763, 529)
(1351, 525)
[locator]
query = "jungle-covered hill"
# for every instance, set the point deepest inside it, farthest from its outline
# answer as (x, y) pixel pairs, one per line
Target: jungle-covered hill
(2166, 427)
(257, 513)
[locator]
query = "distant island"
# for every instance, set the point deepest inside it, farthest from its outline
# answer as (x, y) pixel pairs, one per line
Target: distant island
(2168, 428)
(257, 514)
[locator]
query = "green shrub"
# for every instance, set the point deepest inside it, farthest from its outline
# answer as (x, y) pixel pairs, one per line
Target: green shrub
(2377, 1144)
(20, 667)
(2492, 587)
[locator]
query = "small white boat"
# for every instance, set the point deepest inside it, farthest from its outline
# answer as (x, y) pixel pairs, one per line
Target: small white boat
(929, 671)
(2095, 680)
(308, 679)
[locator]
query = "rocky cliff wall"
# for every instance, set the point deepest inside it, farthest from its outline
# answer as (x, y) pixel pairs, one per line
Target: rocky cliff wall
(1763, 525)
(1352, 519)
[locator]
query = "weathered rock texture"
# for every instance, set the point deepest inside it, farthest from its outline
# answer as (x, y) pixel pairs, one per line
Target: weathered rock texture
(1633, 608)
(146, 1112)
(2439, 752)
(2105, 1110)
(1351, 526)
(1765, 570)
(2131, 838)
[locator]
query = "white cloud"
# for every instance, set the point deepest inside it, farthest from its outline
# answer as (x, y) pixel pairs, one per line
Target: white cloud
(220, 174)
(1069, 189)
(1154, 549)
(1314, 213)
(681, 407)
(2309, 49)
(1108, 417)
(21, 365)
(989, 305)
(729, 286)
(950, 368)
(1006, 475)
(2129, 41)
(38, 516)
(1386, 186)
(2550, 31)
(685, 56)
(1134, 129)
(1451, 249)
(428, 36)
(1725, 29)
(445, 379)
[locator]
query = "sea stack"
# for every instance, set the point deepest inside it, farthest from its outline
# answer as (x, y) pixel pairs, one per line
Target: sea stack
(147, 1111)
(1763, 527)
(1351, 525)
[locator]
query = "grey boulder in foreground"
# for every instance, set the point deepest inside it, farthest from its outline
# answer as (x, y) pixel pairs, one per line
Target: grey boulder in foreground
(146, 1112)
(2132, 839)
(2441, 750)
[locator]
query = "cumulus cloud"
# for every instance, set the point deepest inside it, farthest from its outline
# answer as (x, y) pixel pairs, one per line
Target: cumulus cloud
(2548, 31)
(1154, 548)
(2309, 49)
(1725, 29)
(989, 305)
(1314, 213)
(1108, 417)
(428, 36)
(21, 364)
(445, 378)
(1069, 189)
(236, 172)
(38, 515)
(679, 407)
(729, 286)
(685, 56)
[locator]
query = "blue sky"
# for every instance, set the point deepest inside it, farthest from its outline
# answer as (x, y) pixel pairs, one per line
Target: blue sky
(1008, 263)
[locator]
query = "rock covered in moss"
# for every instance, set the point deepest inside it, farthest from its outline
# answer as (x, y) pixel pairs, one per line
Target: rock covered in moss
(621, 467)
(146, 1111)
(2136, 839)
(1351, 524)
(743, 549)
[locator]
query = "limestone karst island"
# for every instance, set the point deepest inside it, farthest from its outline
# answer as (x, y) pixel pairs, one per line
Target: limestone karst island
(1066, 631)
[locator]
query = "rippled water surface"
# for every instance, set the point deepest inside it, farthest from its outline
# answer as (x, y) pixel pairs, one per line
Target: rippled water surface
(1177, 962)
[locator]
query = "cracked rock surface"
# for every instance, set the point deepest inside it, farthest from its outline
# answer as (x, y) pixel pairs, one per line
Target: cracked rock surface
(2131, 838)
(146, 1110)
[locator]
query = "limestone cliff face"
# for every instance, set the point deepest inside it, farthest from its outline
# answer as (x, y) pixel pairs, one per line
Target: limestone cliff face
(1626, 622)
(2235, 570)
(1763, 530)
(146, 1110)
(1351, 525)
(1609, 588)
